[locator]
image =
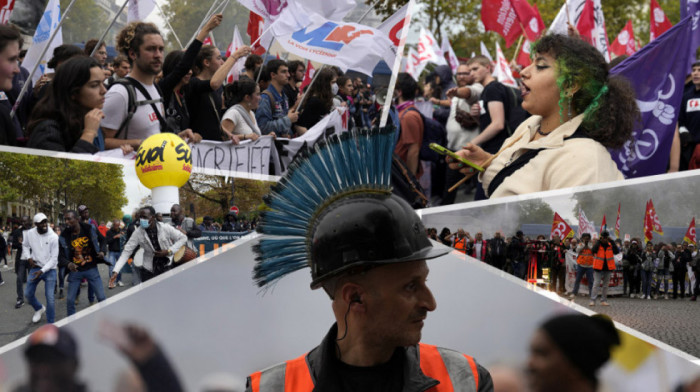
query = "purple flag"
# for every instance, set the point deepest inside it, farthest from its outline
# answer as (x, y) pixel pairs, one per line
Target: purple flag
(657, 73)
(692, 8)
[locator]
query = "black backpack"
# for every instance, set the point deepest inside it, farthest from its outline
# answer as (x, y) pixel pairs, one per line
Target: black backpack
(433, 132)
(131, 86)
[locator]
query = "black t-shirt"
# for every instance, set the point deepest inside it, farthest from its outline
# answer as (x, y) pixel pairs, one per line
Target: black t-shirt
(387, 377)
(313, 112)
(493, 92)
(204, 116)
(81, 248)
(689, 116)
(291, 93)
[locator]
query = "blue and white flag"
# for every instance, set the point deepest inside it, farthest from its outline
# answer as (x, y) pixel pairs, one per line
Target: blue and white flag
(657, 73)
(47, 25)
(692, 8)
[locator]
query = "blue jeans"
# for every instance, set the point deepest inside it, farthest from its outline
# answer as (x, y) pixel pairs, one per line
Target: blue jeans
(49, 279)
(94, 282)
(646, 282)
(112, 258)
(580, 271)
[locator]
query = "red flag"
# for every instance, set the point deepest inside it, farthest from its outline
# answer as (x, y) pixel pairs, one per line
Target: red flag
(561, 228)
(308, 75)
(659, 21)
(586, 22)
(617, 222)
(624, 43)
(6, 7)
(254, 30)
(207, 41)
(690, 234)
(603, 225)
(655, 224)
(523, 58)
(648, 235)
(529, 18)
(499, 16)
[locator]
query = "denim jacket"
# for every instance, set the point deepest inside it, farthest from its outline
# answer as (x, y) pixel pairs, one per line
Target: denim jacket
(272, 117)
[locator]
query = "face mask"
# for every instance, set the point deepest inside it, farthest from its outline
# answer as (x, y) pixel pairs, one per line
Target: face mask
(334, 88)
(143, 223)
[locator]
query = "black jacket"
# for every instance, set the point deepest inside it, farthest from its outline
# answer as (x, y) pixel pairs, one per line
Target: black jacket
(47, 135)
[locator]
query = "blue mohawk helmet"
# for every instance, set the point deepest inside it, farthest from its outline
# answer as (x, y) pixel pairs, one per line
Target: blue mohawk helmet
(334, 211)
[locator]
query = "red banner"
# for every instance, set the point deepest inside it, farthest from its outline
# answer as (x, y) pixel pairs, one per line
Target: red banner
(624, 44)
(499, 16)
(6, 7)
(659, 22)
(529, 19)
(254, 30)
(561, 228)
(690, 234)
(308, 75)
(523, 59)
(586, 22)
(655, 223)
(648, 235)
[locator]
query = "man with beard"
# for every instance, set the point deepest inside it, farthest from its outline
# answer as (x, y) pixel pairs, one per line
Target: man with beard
(179, 221)
(20, 263)
(40, 249)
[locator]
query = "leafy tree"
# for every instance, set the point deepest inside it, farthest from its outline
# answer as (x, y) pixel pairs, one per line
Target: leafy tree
(85, 20)
(535, 211)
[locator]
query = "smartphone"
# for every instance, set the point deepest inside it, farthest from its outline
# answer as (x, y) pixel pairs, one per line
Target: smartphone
(443, 151)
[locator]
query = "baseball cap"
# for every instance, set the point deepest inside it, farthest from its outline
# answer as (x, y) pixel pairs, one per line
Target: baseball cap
(82, 208)
(49, 337)
(40, 217)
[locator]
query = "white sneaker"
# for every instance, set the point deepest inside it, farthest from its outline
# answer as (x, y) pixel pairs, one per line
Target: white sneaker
(120, 284)
(665, 296)
(592, 303)
(572, 296)
(38, 313)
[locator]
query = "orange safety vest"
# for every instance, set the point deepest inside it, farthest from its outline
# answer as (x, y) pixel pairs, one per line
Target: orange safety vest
(461, 245)
(585, 257)
(604, 255)
(297, 375)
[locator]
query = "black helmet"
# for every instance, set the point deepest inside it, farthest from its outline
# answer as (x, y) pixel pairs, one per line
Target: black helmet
(365, 230)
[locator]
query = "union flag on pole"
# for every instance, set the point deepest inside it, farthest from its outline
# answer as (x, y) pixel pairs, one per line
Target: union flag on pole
(529, 19)
(254, 30)
(617, 222)
(393, 25)
(659, 21)
(624, 44)
(500, 16)
(308, 75)
(648, 235)
(502, 71)
(655, 224)
(603, 225)
(690, 233)
(561, 228)
(6, 7)
(584, 225)
(523, 58)
(586, 23)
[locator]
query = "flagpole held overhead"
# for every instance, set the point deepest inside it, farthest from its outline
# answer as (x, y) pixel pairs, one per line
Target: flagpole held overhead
(102, 38)
(41, 57)
(165, 18)
(207, 16)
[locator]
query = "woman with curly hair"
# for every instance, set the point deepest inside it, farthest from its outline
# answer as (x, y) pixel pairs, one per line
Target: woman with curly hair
(579, 111)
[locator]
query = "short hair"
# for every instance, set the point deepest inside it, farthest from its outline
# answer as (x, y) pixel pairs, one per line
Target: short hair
(274, 66)
(150, 209)
(119, 60)
(480, 59)
(62, 53)
(252, 62)
(407, 85)
(131, 36)
(72, 213)
(91, 44)
(9, 33)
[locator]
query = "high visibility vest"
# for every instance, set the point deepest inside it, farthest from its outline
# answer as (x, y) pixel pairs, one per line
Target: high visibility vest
(585, 257)
(461, 244)
(435, 362)
(604, 255)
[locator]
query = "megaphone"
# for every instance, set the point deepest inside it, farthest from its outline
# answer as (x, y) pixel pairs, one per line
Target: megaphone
(380, 94)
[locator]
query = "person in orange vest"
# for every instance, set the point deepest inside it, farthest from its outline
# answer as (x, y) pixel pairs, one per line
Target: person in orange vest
(584, 265)
(367, 249)
(603, 266)
(461, 241)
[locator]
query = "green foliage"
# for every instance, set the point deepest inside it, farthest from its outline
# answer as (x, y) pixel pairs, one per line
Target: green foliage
(186, 15)
(211, 195)
(85, 20)
(535, 211)
(55, 185)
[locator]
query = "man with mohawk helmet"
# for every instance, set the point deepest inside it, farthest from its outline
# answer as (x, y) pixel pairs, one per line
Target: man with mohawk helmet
(367, 249)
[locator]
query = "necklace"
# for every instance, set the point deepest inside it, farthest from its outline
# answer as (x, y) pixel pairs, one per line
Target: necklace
(539, 130)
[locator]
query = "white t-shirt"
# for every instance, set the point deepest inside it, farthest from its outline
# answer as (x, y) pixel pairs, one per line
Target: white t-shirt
(143, 124)
(241, 126)
(456, 135)
(478, 247)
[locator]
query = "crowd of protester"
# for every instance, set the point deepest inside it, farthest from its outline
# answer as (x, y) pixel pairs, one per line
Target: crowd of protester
(81, 243)
(649, 271)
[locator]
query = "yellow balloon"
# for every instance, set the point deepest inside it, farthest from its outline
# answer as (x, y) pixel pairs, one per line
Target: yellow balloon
(163, 159)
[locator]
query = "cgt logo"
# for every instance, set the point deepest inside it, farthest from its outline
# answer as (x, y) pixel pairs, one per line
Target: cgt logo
(330, 36)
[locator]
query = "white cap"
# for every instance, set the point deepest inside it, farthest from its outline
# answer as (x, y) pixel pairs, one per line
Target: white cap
(39, 217)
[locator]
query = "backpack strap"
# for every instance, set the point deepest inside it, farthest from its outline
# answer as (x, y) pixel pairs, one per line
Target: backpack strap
(150, 101)
(522, 161)
(131, 86)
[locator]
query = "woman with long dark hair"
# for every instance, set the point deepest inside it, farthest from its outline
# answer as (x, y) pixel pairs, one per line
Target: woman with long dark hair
(319, 101)
(242, 98)
(579, 111)
(68, 116)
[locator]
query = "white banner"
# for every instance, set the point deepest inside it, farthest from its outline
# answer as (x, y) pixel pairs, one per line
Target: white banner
(248, 156)
(48, 23)
(140, 9)
(502, 71)
(484, 51)
(428, 49)
(451, 56)
(239, 66)
(393, 25)
(575, 7)
(345, 45)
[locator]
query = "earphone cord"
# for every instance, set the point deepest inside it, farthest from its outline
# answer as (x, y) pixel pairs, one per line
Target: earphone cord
(346, 324)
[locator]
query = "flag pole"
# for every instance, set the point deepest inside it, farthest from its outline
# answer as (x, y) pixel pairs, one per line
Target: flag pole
(517, 49)
(206, 17)
(41, 57)
(169, 26)
(397, 65)
(568, 20)
(102, 38)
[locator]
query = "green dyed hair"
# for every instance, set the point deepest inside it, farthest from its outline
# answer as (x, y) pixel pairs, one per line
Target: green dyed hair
(607, 103)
